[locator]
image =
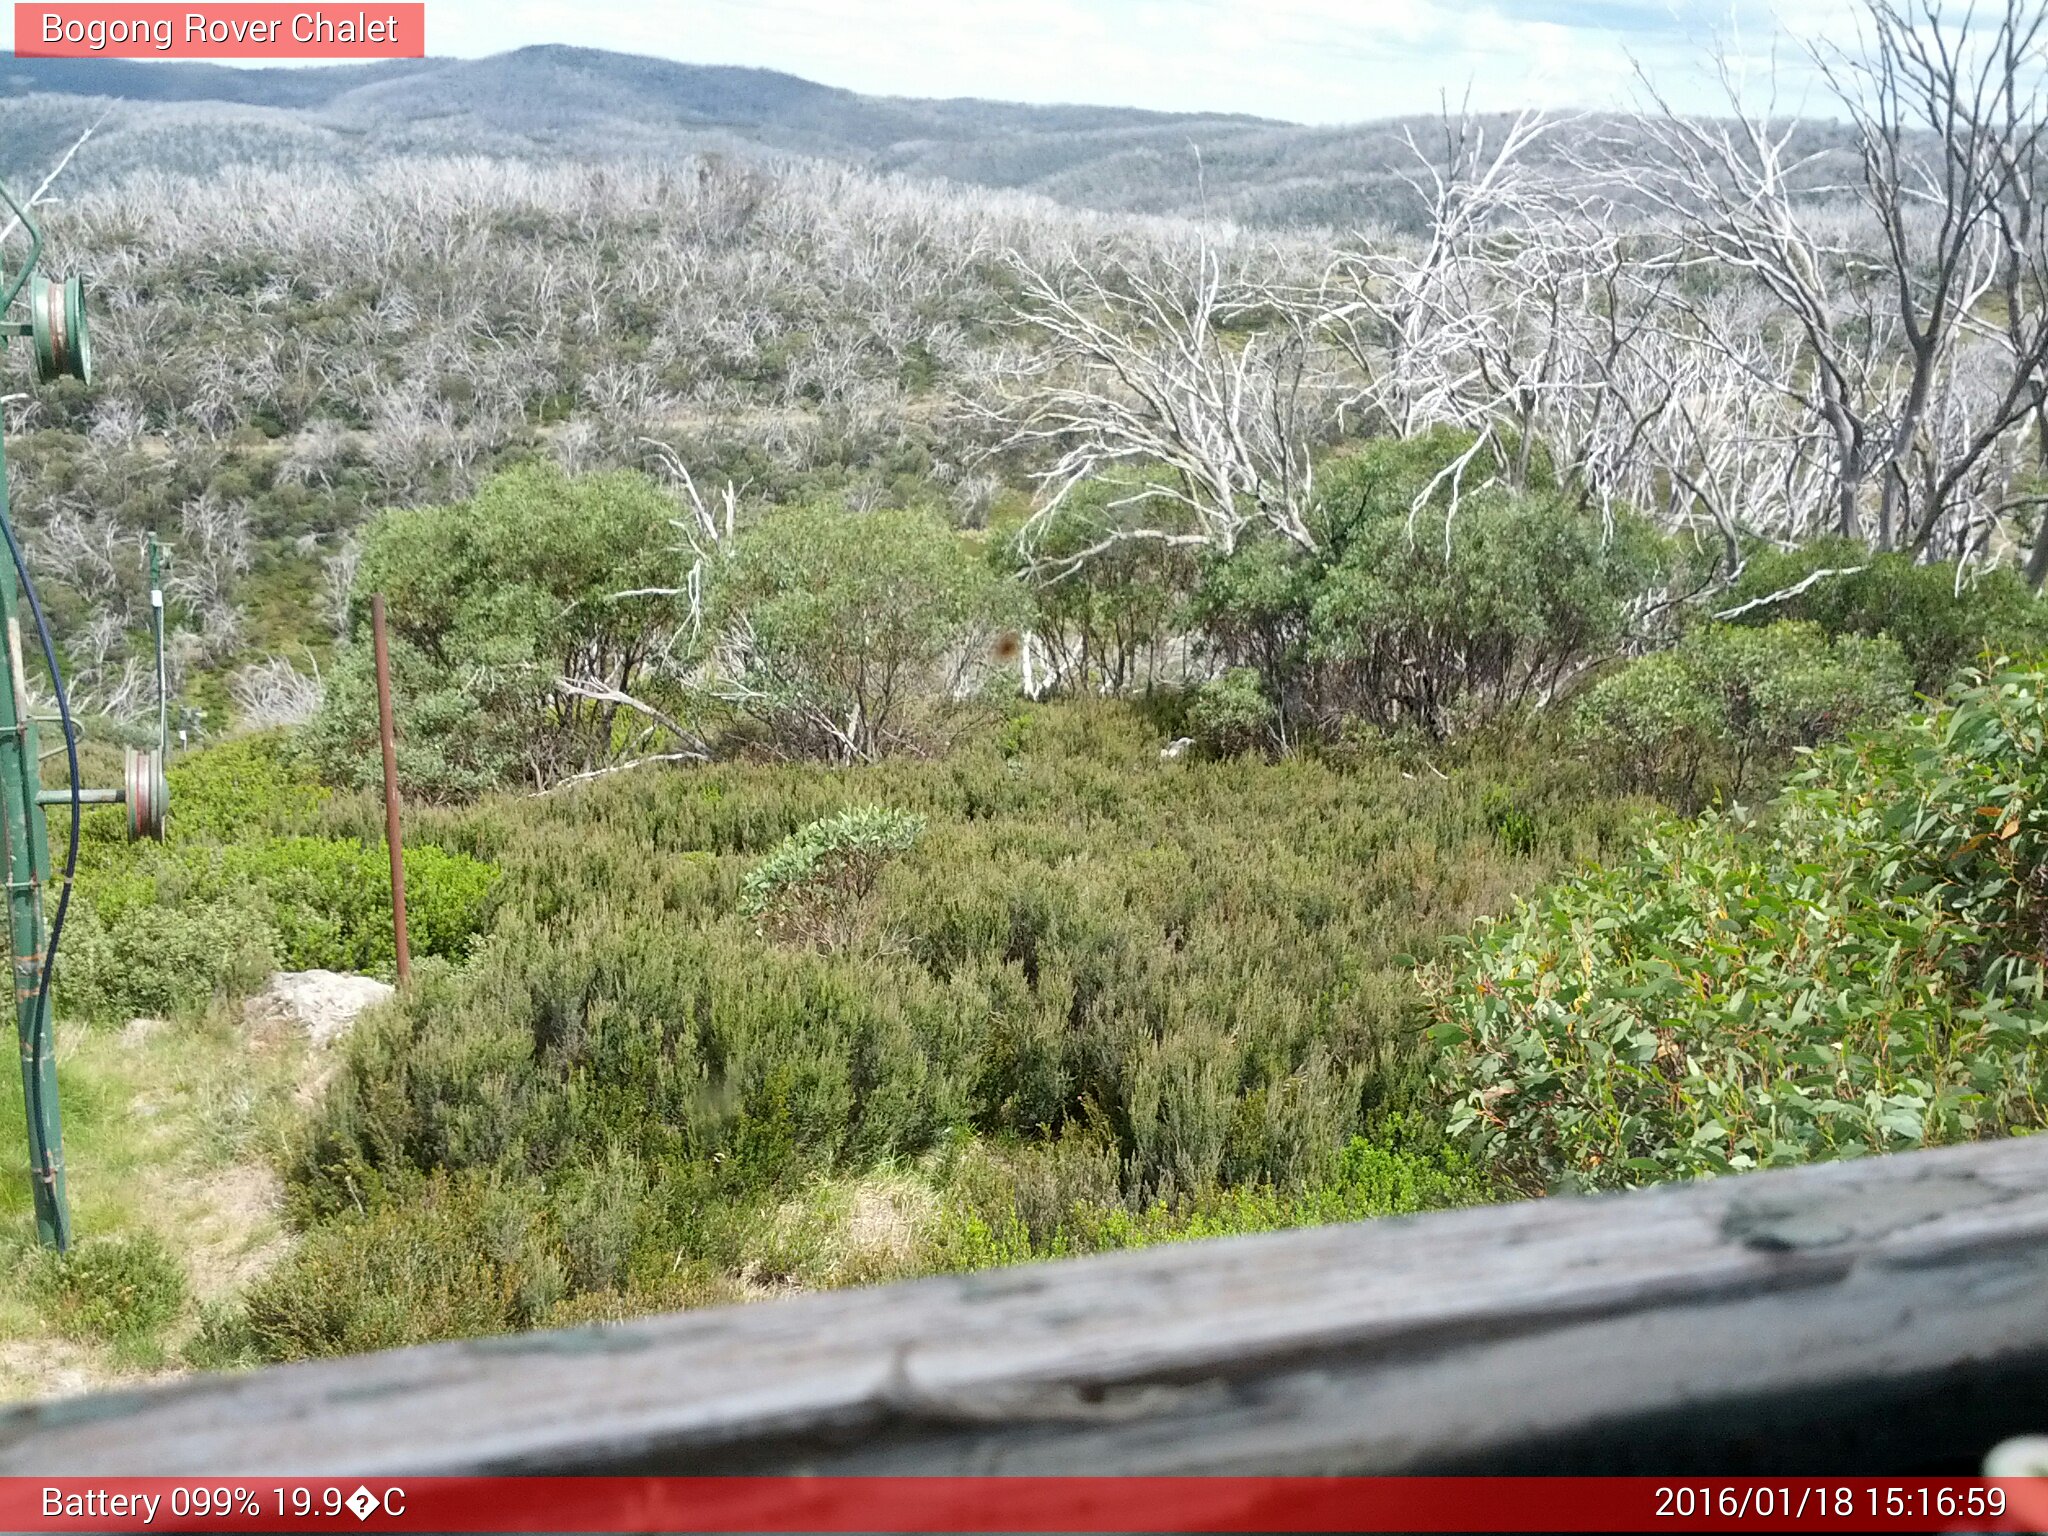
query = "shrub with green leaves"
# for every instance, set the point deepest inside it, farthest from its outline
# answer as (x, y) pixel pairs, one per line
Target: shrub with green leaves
(1193, 977)
(121, 1289)
(1105, 602)
(1011, 1205)
(188, 921)
(244, 886)
(1943, 621)
(812, 887)
(147, 960)
(1728, 701)
(243, 787)
(1958, 807)
(492, 601)
(1859, 971)
(328, 900)
(1231, 713)
(1431, 601)
(459, 1257)
(846, 636)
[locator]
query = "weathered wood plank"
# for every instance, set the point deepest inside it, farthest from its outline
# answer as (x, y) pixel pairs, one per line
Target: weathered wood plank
(1768, 1311)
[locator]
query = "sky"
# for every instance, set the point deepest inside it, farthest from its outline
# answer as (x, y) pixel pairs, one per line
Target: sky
(1314, 61)
(1318, 61)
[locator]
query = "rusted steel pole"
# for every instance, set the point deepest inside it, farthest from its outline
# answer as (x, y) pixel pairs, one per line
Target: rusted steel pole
(391, 837)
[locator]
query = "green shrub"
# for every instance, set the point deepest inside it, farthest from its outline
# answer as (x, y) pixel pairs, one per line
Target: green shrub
(811, 887)
(329, 900)
(1196, 977)
(847, 636)
(1252, 609)
(1519, 831)
(453, 741)
(121, 1289)
(1103, 620)
(183, 923)
(456, 1258)
(1942, 624)
(163, 929)
(155, 961)
(1957, 807)
(1426, 606)
(1727, 701)
(1231, 714)
(1014, 1205)
(1860, 972)
(491, 601)
(231, 791)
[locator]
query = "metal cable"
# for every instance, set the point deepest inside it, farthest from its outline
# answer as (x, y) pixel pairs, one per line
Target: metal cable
(35, 607)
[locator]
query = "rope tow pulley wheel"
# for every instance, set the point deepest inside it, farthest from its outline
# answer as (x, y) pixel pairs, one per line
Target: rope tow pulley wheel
(145, 794)
(57, 326)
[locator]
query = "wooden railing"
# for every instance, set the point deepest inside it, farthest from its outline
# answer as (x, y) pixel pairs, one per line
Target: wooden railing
(1886, 1315)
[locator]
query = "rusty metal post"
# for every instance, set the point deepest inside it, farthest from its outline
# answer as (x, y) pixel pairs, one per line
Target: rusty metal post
(391, 836)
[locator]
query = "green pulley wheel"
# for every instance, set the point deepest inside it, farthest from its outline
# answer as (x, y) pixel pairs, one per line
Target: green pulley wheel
(146, 795)
(56, 313)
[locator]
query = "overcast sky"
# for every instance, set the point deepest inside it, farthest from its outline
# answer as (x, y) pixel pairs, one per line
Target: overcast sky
(1319, 61)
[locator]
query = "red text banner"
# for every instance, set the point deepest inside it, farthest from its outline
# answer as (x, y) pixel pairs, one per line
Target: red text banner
(226, 31)
(1023, 1504)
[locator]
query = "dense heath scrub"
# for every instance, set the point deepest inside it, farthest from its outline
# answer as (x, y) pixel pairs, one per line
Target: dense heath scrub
(881, 969)
(1050, 994)
(701, 1033)
(1089, 999)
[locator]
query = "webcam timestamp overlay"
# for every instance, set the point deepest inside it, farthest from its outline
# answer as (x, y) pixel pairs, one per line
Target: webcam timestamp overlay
(1025, 1504)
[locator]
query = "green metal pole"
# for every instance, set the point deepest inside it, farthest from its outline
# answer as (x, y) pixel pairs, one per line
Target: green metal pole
(156, 616)
(27, 851)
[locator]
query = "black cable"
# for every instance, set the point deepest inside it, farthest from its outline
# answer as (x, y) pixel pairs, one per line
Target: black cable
(35, 606)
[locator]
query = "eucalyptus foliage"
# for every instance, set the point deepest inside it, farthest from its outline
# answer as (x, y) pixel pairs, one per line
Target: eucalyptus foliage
(849, 635)
(1108, 600)
(1941, 618)
(493, 604)
(1437, 596)
(1859, 971)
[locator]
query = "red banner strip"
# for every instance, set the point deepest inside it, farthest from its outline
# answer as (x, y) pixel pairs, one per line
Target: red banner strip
(1023, 1504)
(376, 30)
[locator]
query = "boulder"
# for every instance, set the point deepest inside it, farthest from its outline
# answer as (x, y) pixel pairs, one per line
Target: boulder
(323, 1003)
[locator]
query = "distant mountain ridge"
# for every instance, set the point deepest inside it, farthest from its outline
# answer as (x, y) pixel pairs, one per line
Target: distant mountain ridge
(551, 102)
(727, 94)
(554, 101)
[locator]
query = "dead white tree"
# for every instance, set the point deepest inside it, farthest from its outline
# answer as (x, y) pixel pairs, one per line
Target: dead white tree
(273, 692)
(1942, 271)
(706, 533)
(41, 195)
(215, 550)
(1420, 323)
(1182, 367)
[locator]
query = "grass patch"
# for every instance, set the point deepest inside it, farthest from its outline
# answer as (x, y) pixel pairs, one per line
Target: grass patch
(171, 1140)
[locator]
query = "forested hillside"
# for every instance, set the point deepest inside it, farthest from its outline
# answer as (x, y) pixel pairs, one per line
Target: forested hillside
(943, 727)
